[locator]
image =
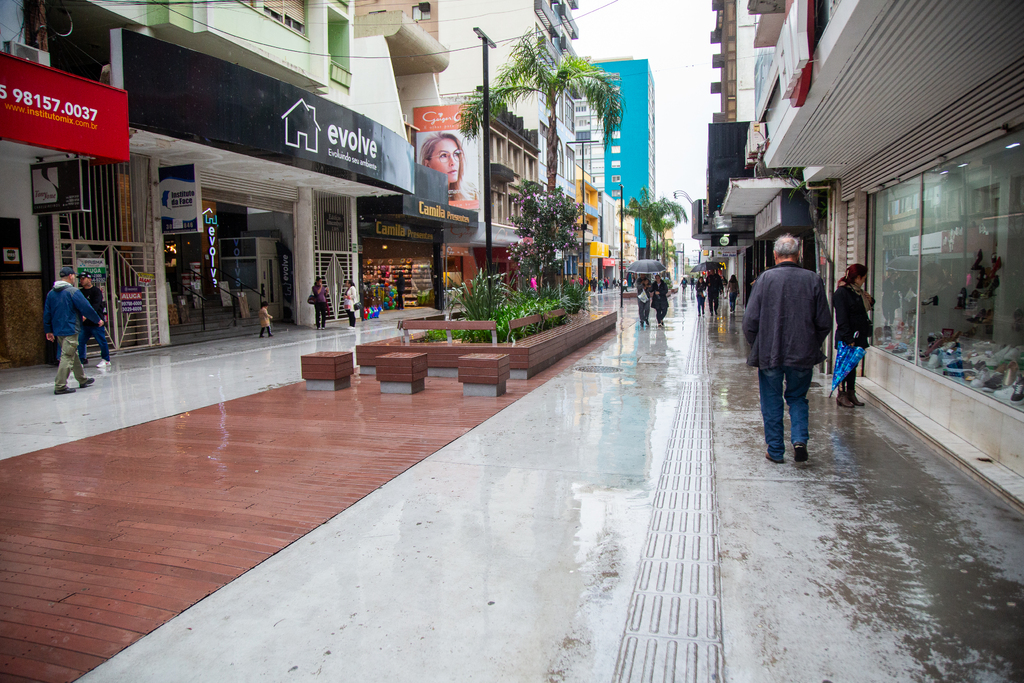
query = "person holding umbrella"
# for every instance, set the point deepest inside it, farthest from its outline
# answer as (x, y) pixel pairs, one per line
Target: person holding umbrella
(853, 327)
(659, 299)
(701, 288)
(644, 292)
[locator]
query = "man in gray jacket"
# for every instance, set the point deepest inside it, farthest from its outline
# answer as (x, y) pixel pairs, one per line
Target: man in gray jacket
(63, 312)
(786, 320)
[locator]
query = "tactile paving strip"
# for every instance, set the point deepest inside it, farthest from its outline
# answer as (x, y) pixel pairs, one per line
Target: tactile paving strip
(674, 628)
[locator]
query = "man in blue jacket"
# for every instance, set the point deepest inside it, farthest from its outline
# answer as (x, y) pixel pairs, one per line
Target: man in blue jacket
(786, 320)
(62, 314)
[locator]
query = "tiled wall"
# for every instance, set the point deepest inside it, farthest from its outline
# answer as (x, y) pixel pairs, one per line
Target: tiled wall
(992, 427)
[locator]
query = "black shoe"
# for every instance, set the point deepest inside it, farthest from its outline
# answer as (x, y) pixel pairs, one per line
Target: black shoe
(84, 363)
(800, 452)
(87, 382)
(65, 390)
(270, 335)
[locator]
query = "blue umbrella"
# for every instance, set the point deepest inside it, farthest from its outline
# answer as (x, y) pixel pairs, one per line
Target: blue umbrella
(847, 358)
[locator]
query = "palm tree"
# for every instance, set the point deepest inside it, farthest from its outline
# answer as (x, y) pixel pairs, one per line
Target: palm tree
(529, 72)
(656, 216)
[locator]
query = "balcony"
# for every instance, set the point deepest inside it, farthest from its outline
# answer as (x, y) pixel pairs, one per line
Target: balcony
(718, 61)
(766, 6)
(565, 17)
(545, 14)
(716, 36)
(716, 88)
(413, 50)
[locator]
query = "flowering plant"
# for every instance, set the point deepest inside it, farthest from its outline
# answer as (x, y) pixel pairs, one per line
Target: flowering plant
(546, 223)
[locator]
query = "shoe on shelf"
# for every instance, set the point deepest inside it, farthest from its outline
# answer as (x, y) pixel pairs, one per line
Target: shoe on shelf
(103, 364)
(800, 452)
(1006, 393)
(65, 390)
(1018, 390)
(767, 457)
(843, 400)
(88, 381)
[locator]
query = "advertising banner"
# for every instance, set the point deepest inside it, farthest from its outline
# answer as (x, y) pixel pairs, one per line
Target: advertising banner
(193, 96)
(95, 267)
(179, 199)
(49, 108)
(131, 299)
(440, 146)
(60, 187)
(284, 257)
(145, 279)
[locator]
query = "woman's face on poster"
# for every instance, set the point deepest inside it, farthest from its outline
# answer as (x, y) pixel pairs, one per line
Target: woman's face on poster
(446, 158)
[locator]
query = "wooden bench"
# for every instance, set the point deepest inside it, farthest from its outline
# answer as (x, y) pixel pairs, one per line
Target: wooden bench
(534, 320)
(484, 374)
(557, 313)
(401, 373)
(327, 370)
(448, 325)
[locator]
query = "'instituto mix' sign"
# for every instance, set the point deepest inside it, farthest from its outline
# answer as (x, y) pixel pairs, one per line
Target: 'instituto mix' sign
(48, 108)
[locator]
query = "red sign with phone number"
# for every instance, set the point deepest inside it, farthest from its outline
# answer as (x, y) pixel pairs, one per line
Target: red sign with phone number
(49, 108)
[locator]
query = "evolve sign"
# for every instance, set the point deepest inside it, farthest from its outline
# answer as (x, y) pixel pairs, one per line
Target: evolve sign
(193, 96)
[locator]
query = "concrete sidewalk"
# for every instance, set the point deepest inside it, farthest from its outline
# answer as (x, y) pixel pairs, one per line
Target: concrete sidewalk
(615, 524)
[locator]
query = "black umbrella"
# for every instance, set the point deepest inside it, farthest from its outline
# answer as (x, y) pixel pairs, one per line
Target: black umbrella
(706, 266)
(646, 266)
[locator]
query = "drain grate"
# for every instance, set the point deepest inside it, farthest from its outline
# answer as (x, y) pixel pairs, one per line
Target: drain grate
(596, 368)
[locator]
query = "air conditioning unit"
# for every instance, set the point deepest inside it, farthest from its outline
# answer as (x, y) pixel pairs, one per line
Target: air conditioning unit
(757, 142)
(33, 54)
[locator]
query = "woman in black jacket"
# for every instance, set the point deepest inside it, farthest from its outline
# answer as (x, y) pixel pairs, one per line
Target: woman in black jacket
(659, 299)
(853, 327)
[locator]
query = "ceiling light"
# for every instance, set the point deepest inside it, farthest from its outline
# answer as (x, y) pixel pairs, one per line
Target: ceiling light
(943, 172)
(1012, 145)
(961, 165)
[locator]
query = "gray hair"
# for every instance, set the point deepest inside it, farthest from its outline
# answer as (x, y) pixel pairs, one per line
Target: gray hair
(787, 245)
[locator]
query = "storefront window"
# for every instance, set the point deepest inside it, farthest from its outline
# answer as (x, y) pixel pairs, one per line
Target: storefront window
(970, 250)
(897, 220)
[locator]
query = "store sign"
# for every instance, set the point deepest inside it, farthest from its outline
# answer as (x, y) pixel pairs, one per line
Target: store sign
(60, 187)
(190, 95)
(145, 279)
(335, 222)
(427, 209)
(179, 199)
(793, 51)
(397, 231)
(131, 299)
(48, 108)
(284, 258)
(210, 234)
(95, 268)
(12, 256)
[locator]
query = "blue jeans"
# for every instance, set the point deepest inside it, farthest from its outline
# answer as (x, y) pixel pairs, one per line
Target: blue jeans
(100, 333)
(798, 381)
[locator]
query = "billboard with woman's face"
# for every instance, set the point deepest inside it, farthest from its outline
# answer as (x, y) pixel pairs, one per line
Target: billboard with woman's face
(440, 146)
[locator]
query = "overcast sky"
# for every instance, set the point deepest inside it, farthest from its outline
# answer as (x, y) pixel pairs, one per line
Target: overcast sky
(675, 36)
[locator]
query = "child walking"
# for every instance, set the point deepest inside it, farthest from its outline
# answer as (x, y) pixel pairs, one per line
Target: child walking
(265, 319)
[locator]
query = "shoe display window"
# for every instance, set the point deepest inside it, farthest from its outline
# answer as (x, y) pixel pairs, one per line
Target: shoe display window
(965, 262)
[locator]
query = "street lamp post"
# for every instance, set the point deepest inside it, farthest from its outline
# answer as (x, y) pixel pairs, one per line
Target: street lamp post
(622, 246)
(676, 195)
(487, 43)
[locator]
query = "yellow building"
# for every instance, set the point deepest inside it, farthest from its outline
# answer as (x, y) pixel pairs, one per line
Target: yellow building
(589, 196)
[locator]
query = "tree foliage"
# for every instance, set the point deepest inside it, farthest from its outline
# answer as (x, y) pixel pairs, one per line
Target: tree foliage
(546, 223)
(657, 217)
(529, 71)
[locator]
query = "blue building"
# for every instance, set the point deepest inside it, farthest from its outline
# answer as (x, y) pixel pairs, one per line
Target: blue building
(629, 151)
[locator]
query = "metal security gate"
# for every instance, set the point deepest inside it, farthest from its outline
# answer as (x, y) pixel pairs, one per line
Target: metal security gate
(106, 234)
(334, 257)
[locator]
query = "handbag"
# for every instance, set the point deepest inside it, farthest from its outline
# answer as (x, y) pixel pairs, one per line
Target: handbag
(642, 297)
(311, 299)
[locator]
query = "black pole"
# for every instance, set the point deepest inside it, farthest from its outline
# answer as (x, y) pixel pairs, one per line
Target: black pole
(487, 43)
(622, 245)
(583, 218)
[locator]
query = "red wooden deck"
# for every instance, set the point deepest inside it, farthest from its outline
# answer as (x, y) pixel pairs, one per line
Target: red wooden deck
(105, 539)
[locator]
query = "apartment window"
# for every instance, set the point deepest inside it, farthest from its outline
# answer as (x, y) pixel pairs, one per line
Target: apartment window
(291, 13)
(616, 164)
(582, 123)
(616, 149)
(421, 11)
(616, 179)
(616, 134)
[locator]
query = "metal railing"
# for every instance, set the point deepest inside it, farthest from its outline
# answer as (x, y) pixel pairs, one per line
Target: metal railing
(202, 299)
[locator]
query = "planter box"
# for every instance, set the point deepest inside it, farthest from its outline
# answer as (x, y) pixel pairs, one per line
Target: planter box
(526, 358)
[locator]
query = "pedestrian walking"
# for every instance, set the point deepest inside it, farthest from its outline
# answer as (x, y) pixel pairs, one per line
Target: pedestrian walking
(785, 322)
(600, 286)
(400, 287)
(701, 289)
(94, 295)
(265, 319)
(351, 299)
(715, 286)
(643, 300)
(851, 305)
(659, 299)
(62, 314)
(319, 297)
(734, 291)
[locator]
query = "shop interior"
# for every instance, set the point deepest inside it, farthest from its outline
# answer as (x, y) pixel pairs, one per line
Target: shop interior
(381, 263)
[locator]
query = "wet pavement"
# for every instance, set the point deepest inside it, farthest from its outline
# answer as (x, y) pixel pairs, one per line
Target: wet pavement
(612, 525)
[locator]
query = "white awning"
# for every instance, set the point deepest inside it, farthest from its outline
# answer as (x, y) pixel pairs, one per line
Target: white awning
(747, 196)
